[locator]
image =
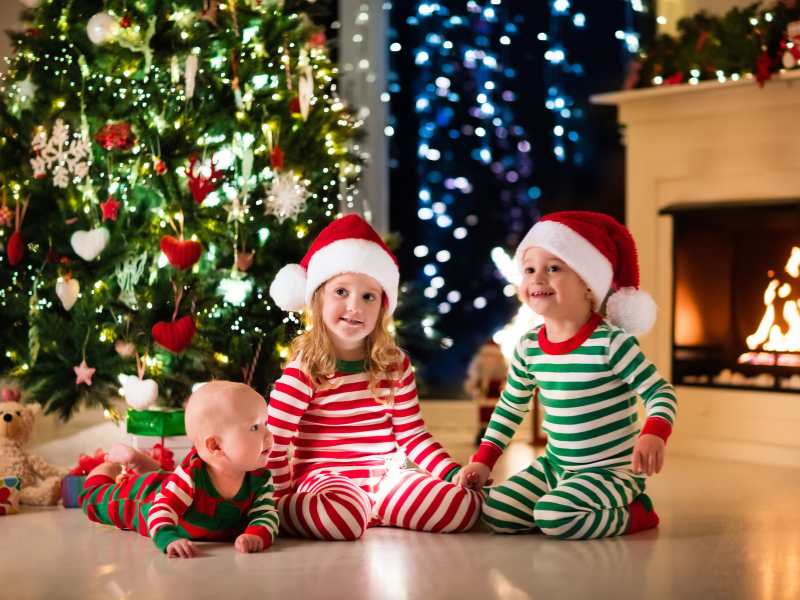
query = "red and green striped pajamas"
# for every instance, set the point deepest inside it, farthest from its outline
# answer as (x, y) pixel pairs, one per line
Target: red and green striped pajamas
(183, 505)
(584, 486)
(348, 454)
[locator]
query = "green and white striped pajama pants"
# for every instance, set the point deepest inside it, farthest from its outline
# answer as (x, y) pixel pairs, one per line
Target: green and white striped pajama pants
(586, 504)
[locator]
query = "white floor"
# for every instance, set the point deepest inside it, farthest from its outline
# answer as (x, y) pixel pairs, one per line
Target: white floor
(728, 531)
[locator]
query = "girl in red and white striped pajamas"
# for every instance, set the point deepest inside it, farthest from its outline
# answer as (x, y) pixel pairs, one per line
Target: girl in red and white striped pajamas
(347, 403)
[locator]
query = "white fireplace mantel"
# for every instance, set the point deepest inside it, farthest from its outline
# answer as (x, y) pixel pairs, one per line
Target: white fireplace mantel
(708, 143)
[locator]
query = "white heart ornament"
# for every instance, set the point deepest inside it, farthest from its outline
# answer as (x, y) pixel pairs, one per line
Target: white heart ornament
(140, 394)
(67, 291)
(89, 244)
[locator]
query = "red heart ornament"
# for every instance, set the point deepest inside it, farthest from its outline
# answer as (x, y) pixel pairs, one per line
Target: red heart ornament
(181, 254)
(175, 336)
(15, 249)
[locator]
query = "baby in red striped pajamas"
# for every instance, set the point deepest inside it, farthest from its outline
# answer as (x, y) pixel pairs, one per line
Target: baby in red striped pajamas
(347, 404)
(221, 491)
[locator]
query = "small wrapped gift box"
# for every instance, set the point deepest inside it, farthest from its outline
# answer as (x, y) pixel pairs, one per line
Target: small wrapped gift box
(168, 426)
(71, 487)
(9, 495)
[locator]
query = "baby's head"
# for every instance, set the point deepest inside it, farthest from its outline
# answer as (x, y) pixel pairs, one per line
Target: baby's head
(602, 255)
(227, 424)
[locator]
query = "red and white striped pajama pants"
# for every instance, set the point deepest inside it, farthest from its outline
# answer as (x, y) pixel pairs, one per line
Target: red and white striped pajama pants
(329, 506)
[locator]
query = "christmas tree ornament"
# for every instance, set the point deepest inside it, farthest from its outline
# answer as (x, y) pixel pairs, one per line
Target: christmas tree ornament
(83, 373)
(101, 28)
(286, 197)
(67, 290)
(6, 216)
(15, 249)
(190, 75)
(175, 336)
(160, 166)
(125, 22)
(89, 244)
(128, 275)
(124, 349)
(294, 105)
(27, 89)
(139, 393)
(181, 254)
(110, 209)
(305, 90)
(243, 260)
(276, 158)
(317, 39)
(202, 179)
(57, 153)
(116, 136)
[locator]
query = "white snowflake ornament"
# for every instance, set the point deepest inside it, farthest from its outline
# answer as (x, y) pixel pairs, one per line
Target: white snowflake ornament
(58, 154)
(286, 197)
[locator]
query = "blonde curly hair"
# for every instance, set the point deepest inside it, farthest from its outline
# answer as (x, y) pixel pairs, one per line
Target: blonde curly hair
(316, 353)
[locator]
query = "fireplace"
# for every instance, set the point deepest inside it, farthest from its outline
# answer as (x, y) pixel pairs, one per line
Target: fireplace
(712, 186)
(736, 286)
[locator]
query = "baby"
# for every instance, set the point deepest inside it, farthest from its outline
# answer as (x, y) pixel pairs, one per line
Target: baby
(221, 491)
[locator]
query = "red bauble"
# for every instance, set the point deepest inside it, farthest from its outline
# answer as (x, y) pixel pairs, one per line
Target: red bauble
(125, 22)
(161, 167)
(317, 39)
(294, 105)
(175, 336)
(276, 158)
(116, 136)
(181, 254)
(15, 249)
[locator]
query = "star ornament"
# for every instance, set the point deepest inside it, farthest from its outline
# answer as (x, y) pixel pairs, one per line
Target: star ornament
(110, 209)
(83, 373)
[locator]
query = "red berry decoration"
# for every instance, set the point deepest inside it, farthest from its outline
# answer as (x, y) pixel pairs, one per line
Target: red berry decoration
(175, 336)
(15, 249)
(161, 167)
(125, 22)
(181, 254)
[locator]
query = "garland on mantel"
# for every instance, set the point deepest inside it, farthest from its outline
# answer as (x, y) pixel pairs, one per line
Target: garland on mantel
(753, 42)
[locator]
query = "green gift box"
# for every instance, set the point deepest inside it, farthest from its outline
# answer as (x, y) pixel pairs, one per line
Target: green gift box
(156, 423)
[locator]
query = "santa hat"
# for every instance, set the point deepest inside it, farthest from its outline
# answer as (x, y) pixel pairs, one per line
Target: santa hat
(347, 245)
(603, 253)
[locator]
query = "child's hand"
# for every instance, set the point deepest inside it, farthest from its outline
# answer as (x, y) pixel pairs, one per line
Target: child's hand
(181, 549)
(473, 476)
(249, 543)
(648, 454)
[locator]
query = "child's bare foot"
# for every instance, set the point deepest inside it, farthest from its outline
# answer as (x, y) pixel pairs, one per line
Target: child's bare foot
(131, 458)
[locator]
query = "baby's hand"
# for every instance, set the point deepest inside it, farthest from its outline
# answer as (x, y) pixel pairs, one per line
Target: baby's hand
(181, 549)
(648, 454)
(249, 543)
(473, 476)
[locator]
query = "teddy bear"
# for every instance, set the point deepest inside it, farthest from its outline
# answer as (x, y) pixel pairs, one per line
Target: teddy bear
(40, 481)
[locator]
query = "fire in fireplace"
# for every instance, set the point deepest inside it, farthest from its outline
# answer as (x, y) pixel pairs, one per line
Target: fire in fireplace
(736, 295)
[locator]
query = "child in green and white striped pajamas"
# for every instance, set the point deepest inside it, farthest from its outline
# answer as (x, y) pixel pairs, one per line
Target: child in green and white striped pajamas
(588, 372)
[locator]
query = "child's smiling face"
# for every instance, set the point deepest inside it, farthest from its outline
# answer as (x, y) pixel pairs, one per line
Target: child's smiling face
(551, 288)
(351, 303)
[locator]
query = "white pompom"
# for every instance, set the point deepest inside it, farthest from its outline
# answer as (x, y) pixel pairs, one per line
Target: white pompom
(288, 289)
(631, 309)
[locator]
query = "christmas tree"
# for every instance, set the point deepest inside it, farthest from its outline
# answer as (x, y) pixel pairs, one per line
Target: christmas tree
(160, 160)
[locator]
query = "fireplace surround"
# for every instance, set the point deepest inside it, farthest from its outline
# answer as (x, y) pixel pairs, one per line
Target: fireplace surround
(709, 147)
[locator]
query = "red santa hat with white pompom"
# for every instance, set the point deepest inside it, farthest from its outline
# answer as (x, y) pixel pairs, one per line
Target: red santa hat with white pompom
(346, 245)
(603, 253)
